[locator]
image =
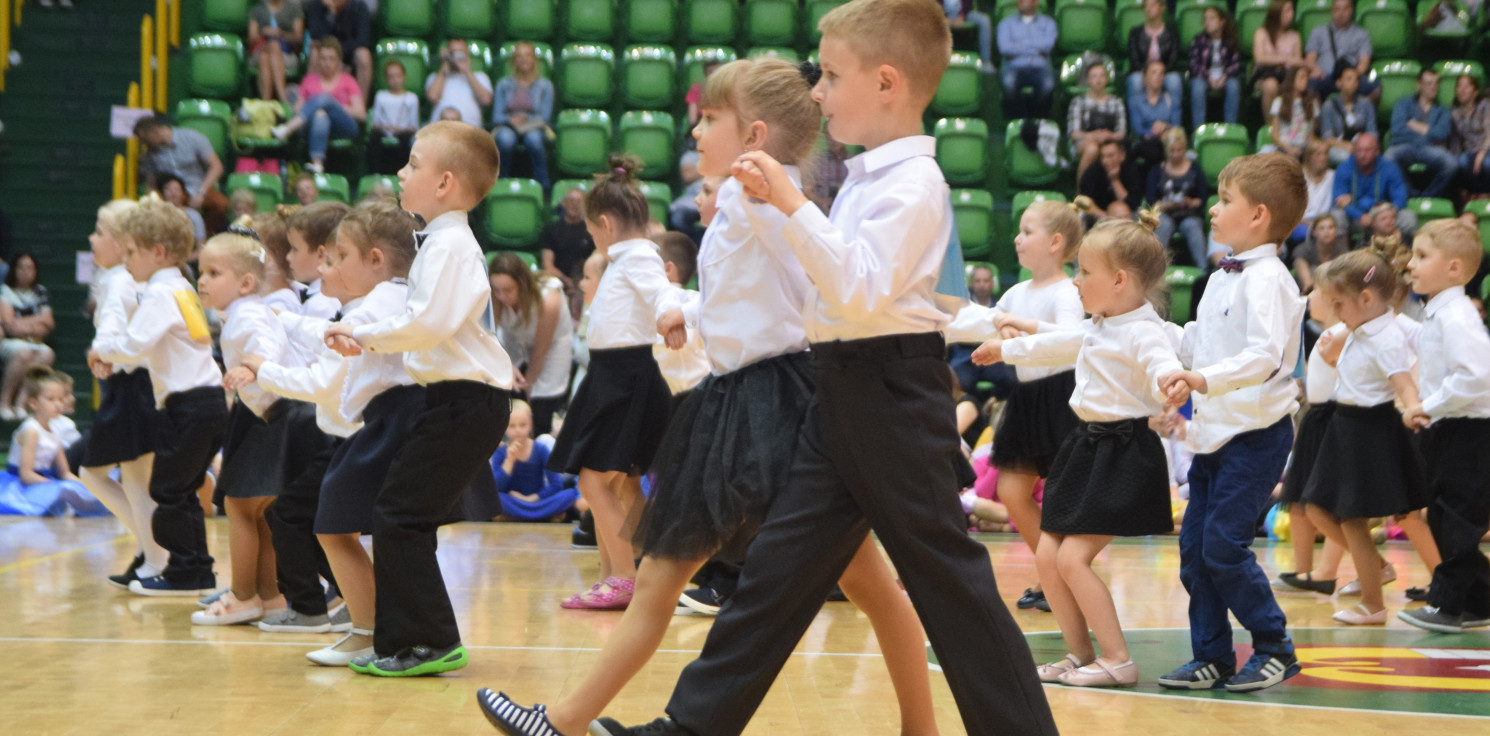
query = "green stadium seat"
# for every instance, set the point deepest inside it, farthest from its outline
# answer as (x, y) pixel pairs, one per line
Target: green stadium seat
(586, 74)
(659, 197)
(962, 149)
(543, 51)
(1023, 200)
(972, 212)
(648, 136)
(411, 52)
(211, 118)
(1449, 72)
(1311, 14)
(333, 188)
(651, 21)
(1189, 18)
(710, 21)
(407, 17)
(583, 141)
(1216, 144)
(770, 22)
(1390, 25)
(696, 59)
(225, 15)
(563, 187)
(1264, 137)
(590, 20)
(1429, 209)
(528, 20)
(1181, 282)
(812, 12)
(268, 189)
(648, 77)
(1480, 208)
(1023, 166)
(1005, 8)
(367, 183)
(470, 18)
(961, 89)
(214, 65)
(1250, 15)
(1081, 25)
(776, 52)
(1398, 79)
(515, 213)
(1127, 15)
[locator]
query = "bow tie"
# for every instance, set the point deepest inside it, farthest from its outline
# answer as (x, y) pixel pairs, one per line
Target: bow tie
(419, 239)
(305, 295)
(336, 317)
(1120, 431)
(1230, 265)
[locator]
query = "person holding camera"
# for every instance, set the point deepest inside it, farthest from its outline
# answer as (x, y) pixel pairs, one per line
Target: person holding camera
(524, 104)
(455, 87)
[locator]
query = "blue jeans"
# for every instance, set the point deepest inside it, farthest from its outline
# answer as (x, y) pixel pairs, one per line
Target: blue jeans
(1441, 164)
(327, 119)
(1229, 488)
(1173, 84)
(1001, 375)
(985, 36)
(1193, 232)
(1199, 90)
(1040, 79)
(507, 139)
(1475, 183)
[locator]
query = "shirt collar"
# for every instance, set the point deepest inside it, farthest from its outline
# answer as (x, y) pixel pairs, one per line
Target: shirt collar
(626, 247)
(453, 218)
(168, 273)
(1375, 326)
(1441, 300)
(894, 152)
(243, 301)
(1261, 251)
(1144, 313)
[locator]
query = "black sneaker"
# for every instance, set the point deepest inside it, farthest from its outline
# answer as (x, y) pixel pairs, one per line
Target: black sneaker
(583, 536)
(1432, 619)
(1198, 675)
(1264, 670)
(419, 661)
(513, 719)
(659, 727)
(1296, 581)
(123, 579)
(702, 600)
(1032, 598)
(1419, 595)
(1475, 620)
(1043, 604)
(160, 587)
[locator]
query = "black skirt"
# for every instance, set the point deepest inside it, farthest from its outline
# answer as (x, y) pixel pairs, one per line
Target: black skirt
(727, 451)
(617, 417)
(1109, 478)
(124, 425)
(1036, 419)
(360, 464)
(1367, 465)
(252, 457)
(1305, 451)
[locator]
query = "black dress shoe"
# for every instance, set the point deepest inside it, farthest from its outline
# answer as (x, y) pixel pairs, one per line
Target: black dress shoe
(659, 727)
(1032, 599)
(122, 580)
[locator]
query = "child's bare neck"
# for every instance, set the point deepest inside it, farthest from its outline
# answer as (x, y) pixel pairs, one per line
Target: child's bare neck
(1240, 248)
(436, 212)
(898, 124)
(1046, 276)
(1128, 305)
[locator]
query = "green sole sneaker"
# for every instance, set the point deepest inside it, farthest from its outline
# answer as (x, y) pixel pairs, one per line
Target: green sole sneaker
(359, 664)
(419, 661)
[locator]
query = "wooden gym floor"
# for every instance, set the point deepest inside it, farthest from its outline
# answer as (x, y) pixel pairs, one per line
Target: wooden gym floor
(81, 657)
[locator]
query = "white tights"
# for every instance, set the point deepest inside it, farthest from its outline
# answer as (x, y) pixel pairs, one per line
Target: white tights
(129, 500)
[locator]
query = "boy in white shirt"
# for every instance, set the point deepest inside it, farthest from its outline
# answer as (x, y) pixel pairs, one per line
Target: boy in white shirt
(168, 335)
(450, 346)
(1241, 350)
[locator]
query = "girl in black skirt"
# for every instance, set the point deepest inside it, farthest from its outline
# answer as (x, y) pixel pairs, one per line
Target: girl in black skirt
(1367, 464)
(620, 410)
(1110, 477)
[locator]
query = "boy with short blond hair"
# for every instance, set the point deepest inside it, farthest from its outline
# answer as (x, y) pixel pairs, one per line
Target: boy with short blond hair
(449, 342)
(879, 448)
(168, 335)
(1454, 414)
(1241, 349)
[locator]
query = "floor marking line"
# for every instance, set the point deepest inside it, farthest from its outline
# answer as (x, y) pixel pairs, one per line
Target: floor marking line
(23, 564)
(306, 645)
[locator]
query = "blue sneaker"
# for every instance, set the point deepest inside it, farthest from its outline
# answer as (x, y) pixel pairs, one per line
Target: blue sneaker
(160, 587)
(1198, 675)
(1264, 670)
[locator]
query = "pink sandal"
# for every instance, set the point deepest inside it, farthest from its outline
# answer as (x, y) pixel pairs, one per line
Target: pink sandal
(574, 601)
(615, 599)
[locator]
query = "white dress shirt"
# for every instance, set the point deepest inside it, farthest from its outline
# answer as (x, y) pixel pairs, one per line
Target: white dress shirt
(751, 288)
(320, 382)
(446, 329)
(313, 303)
(158, 339)
(624, 312)
(1455, 354)
(685, 367)
(1056, 307)
(283, 300)
(875, 264)
(249, 328)
(118, 298)
(1118, 359)
(370, 374)
(1373, 353)
(1245, 342)
(1319, 376)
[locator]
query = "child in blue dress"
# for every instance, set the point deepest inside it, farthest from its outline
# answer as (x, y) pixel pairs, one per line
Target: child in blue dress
(527, 489)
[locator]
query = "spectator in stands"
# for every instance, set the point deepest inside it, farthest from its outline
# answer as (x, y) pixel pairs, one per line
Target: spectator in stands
(275, 30)
(306, 191)
(1150, 113)
(1320, 180)
(523, 106)
(1291, 119)
(173, 190)
(1155, 40)
(455, 87)
(1420, 135)
(1095, 117)
(960, 13)
(1365, 179)
(1116, 187)
(1026, 41)
(828, 174)
(350, 23)
(1345, 115)
(395, 118)
(682, 213)
(330, 102)
(1178, 189)
(1276, 51)
(26, 315)
(189, 155)
(1336, 45)
(1445, 17)
(243, 203)
(1323, 244)
(1216, 66)
(1471, 136)
(565, 243)
(980, 285)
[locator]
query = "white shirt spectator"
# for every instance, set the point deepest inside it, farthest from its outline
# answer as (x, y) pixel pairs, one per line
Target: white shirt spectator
(400, 111)
(459, 95)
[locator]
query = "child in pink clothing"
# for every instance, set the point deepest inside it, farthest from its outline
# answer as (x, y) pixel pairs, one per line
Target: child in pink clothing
(981, 502)
(330, 102)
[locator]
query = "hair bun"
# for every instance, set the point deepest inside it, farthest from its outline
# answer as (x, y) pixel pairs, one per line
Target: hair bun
(1083, 204)
(810, 72)
(1148, 217)
(622, 166)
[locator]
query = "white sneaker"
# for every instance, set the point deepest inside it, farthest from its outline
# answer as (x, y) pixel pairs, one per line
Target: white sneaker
(331, 657)
(315, 168)
(1388, 575)
(280, 132)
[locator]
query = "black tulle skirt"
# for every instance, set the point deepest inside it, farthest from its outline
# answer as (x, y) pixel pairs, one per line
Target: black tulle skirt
(1305, 451)
(1367, 465)
(617, 417)
(1036, 419)
(727, 451)
(124, 425)
(1109, 478)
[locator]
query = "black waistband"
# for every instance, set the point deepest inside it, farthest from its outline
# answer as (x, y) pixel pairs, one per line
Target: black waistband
(198, 395)
(621, 355)
(879, 349)
(441, 392)
(391, 398)
(1384, 409)
(1122, 429)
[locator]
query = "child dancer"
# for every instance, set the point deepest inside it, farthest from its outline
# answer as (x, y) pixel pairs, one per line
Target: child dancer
(168, 336)
(1367, 465)
(731, 443)
(529, 490)
(310, 231)
(280, 294)
(1455, 409)
(39, 481)
(232, 266)
(1111, 477)
(1242, 349)
(619, 412)
(447, 335)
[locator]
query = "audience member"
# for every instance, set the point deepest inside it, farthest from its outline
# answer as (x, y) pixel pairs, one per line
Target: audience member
(565, 243)
(1177, 188)
(243, 203)
(1155, 40)
(1215, 66)
(455, 87)
(1026, 41)
(1095, 117)
(1150, 113)
(1420, 135)
(26, 316)
(1471, 136)
(980, 285)
(330, 102)
(1362, 181)
(350, 23)
(1335, 46)
(173, 190)
(1345, 115)
(306, 191)
(1276, 51)
(1115, 187)
(275, 31)
(395, 118)
(1320, 180)
(1325, 241)
(960, 14)
(189, 155)
(521, 110)
(1291, 119)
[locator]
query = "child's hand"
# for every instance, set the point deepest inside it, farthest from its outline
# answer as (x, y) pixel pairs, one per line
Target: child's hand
(101, 369)
(238, 378)
(339, 338)
(254, 362)
(989, 352)
(764, 178)
(1414, 417)
(1010, 332)
(519, 381)
(672, 328)
(519, 450)
(1178, 385)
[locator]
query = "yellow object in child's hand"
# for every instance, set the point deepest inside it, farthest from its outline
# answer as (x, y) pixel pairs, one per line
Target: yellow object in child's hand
(196, 319)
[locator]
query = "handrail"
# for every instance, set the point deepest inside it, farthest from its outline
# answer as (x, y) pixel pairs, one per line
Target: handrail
(147, 62)
(162, 23)
(132, 149)
(5, 37)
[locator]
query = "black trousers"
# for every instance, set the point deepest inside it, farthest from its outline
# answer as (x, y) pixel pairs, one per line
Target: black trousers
(189, 432)
(452, 440)
(300, 563)
(543, 413)
(879, 450)
(1455, 452)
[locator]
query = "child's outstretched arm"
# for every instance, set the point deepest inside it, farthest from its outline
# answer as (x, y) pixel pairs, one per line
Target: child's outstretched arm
(764, 178)
(1046, 349)
(437, 306)
(157, 313)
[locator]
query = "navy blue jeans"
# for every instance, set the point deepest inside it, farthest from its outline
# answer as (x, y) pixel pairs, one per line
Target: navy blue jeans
(1228, 490)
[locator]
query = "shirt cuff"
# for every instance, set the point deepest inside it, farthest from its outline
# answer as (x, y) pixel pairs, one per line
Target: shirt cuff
(804, 224)
(1215, 381)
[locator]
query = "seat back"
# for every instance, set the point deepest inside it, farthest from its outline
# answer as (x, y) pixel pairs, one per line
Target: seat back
(1181, 281)
(1023, 166)
(514, 213)
(583, 142)
(333, 187)
(651, 21)
(407, 17)
(586, 74)
(1023, 200)
(214, 65)
(1081, 25)
(1449, 72)
(961, 90)
(370, 182)
(972, 212)
(1429, 209)
(1389, 24)
(1189, 18)
(470, 18)
(648, 77)
(812, 12)
(1127, 15)
(1311, 14)
(698, 58)
(225, 15)
(771, 22)
(962, 149)
(413, 53)
(710, 21)
(1250, 15)
(1398, 79)
(659, 196)
(268, 189)
(648, 136)
(211, 118)
(590, 20)
(1216, 144)
(528, 20)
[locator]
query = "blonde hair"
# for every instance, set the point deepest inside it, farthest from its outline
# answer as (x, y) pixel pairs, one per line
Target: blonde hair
(1352, 273)
(154, 221)
(1275, 181)
(910, 35)
(1456, 241)
(381, 224)
(772, 91)
(246, 254)
(467, 152)
(273, 230)
(1132, 247)
(1063, 219)
(1172, 134)
(111, 213)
